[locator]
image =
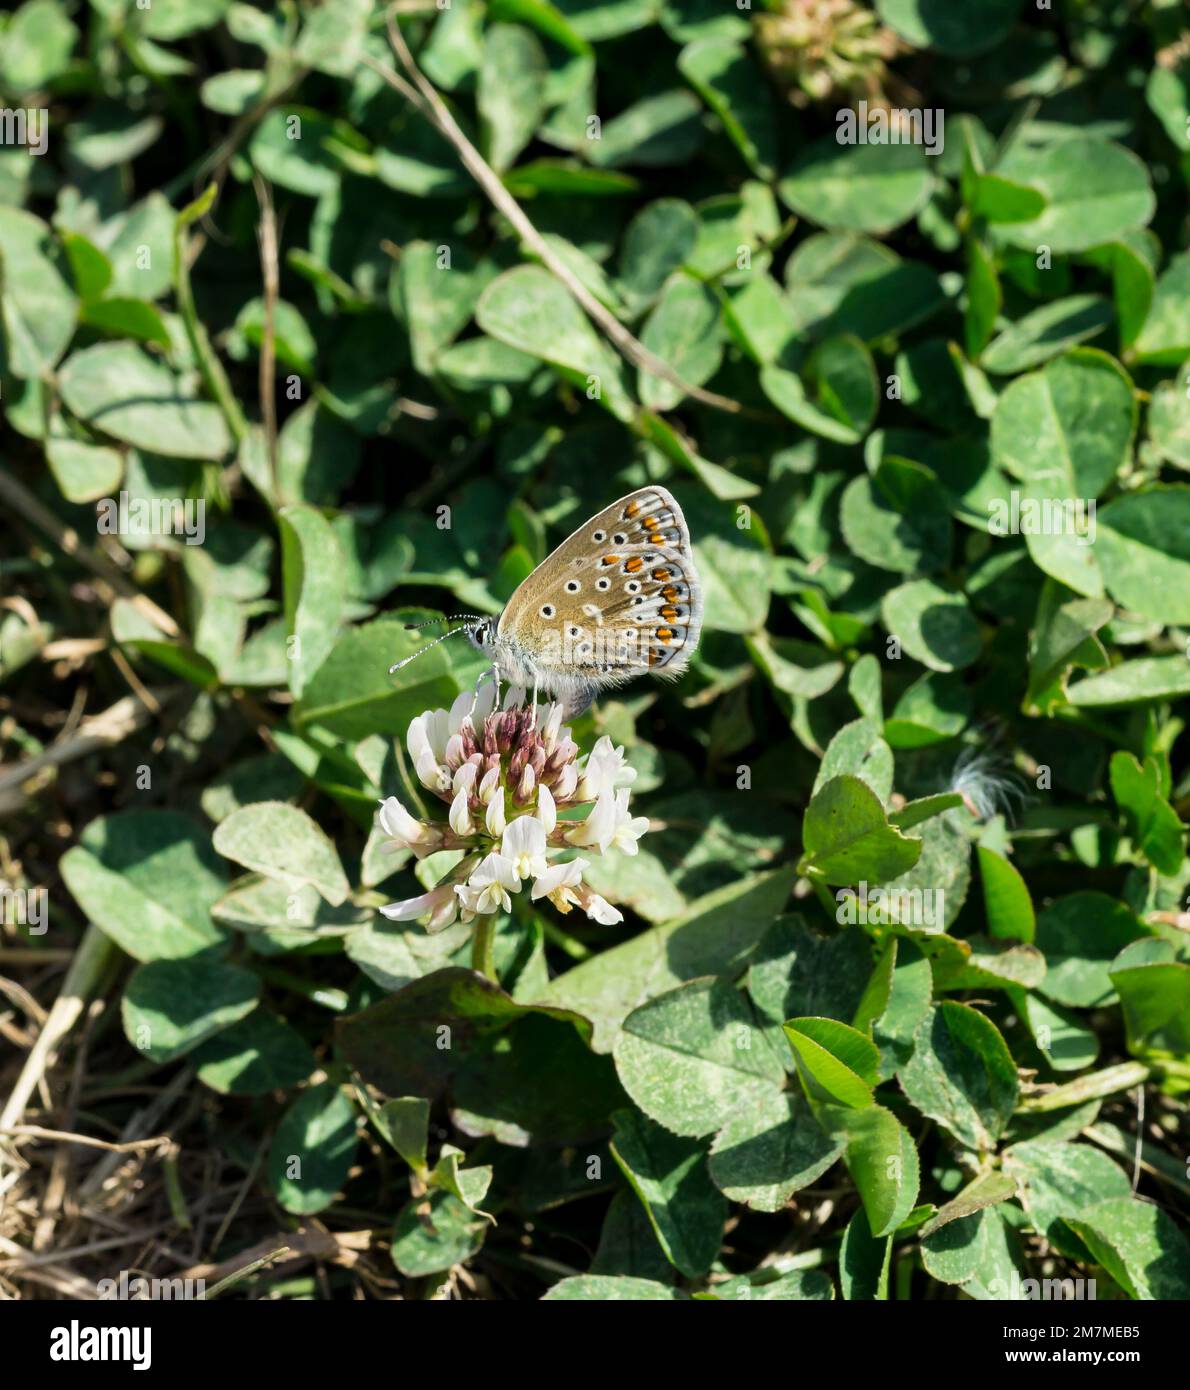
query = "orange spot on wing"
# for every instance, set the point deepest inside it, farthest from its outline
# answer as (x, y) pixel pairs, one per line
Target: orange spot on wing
(634, 564)
(631, 510)
(669, 612)
(650, 523)
(661, 575)
(610, 560)
(665, 634)
(670, 593)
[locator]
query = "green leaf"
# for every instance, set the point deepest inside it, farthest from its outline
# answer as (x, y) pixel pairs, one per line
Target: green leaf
(1133, 682)
(1165, 337)
(836, 397)
(683, 330)
(282, 841)
(864, 1261)
(1065, 431)
(1063, 637)
(979, 1252)
(314, 581)
(1095, 191)
(838, 1058)
(694, 1056)
(510, 94)
(723, 74)
(884, 1166)
(604, 1288)
(531, 311)
(259, 1054)
(37, 309)
(170, 1006)
(846, 836)
(656, 242)
(1140, 1246)
(352, 694)
(1081, 934)
(798, 1285)
(669, 1175)
(1006, 901)
(1046, 332)
(1155, 999)
(956, 30)
(895, 1001)
(1168, 421)
(291, 148)
(987, 1190)
(984, 298)
(38, 42)
(962, 1074)
(664, 128)
(862, 188)
(469, 1185)
(312, 1150)
(119, 389)
(1143, 548)
(796, 972)
(1153, 823)
(934, 625)
(404, 1123)
(898, 520)
(1059, 1180)
(148, 879)
(766, 1153)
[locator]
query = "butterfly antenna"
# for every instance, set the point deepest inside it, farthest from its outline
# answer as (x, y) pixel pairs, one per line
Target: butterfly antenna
(421, 651)
(450, 618)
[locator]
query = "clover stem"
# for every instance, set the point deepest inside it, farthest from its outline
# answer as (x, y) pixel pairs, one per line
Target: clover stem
(483, 956)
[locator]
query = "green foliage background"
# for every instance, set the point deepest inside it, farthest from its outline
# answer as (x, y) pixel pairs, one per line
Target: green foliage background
(895, 345)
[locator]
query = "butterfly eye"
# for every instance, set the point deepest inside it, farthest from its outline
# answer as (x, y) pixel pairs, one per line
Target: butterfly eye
(599, 537)
(572, 586)
(547, 610)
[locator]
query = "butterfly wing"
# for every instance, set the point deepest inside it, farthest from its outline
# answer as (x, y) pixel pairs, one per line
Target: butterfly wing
(619, 597)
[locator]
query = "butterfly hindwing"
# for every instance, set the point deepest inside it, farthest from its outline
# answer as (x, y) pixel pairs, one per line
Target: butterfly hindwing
(619, 597)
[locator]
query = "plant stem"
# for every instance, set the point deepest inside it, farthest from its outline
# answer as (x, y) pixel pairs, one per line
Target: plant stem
(483, 954)
(209, 366)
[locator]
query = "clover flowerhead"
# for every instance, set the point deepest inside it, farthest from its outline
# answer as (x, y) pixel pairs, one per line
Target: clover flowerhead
(514, 787)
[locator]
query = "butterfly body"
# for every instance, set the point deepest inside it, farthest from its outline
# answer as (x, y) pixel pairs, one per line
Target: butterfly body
(619, 598)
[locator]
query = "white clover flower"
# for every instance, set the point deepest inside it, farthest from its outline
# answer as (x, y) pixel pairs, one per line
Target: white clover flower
(558, 884)
(439, 907)
(606, 769)
(523, 846)
(511, 781)
(406, 831)
(488, 887)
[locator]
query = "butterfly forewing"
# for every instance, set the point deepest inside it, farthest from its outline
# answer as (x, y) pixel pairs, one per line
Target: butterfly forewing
(618, 598)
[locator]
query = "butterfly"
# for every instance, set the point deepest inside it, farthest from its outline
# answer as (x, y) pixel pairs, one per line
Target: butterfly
(620, 597)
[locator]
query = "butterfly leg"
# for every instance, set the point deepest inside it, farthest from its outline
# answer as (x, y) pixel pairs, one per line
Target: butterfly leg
(533, 716)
